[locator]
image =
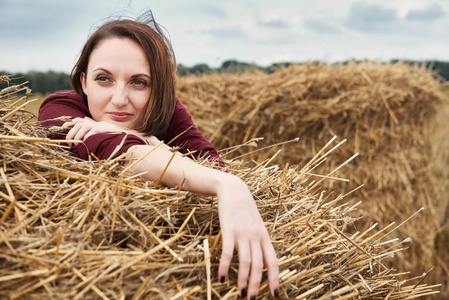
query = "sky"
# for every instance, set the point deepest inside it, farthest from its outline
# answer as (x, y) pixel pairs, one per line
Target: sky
(49, 34)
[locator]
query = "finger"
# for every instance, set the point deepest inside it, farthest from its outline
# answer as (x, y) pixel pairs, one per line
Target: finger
(67, 125)
(244, 266)
(81, 134)
(76, 120)
(74, 125)
(227, 253)
(77, 132)
(89, 132)
(256, 268)
(271, 263)
(71, 134)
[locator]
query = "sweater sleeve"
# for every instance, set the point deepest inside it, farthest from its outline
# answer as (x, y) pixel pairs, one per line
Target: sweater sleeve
(71, 105)
(103, 145)
(63, 104)
(192, 139)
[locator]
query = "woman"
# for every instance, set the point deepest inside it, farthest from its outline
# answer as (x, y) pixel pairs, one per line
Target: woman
(124, 102)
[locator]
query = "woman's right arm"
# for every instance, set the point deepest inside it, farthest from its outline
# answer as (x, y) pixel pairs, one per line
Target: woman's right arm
(83, 128)
(63, 104)
(71, 105)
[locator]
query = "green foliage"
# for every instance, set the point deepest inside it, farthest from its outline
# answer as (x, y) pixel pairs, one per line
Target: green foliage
(440, 67)
(196, 69)
(182, 70)
(233, 66)
(41, 82)
(229, 66)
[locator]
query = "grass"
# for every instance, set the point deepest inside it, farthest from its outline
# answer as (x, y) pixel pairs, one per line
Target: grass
(445, 89)
(33, 107)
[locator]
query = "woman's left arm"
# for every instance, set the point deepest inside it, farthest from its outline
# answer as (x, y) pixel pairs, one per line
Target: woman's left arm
(241, 224)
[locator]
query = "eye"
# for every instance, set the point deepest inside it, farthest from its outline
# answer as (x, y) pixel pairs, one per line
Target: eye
(139, 82)
(102, 78)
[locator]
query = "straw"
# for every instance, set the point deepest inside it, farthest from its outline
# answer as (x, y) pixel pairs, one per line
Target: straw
(81, 229)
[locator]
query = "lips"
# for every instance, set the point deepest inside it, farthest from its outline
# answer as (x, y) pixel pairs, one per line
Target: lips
(119, 116)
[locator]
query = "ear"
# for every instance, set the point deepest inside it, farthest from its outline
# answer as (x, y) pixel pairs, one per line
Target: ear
(83, 82)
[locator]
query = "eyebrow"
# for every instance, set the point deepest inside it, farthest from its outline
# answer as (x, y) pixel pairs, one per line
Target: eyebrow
(133, 76)
(104, 70)
(141, 75)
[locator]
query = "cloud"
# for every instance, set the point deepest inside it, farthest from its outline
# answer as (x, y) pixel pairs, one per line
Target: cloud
(320, 26)
(48, 34)
(225, 32)
(370, 17)
(39, 20)
(275, 24)
(214, 11)
(428, 14)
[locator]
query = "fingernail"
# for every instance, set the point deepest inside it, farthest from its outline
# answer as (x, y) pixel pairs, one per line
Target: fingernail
(276, 292)
(243, 293)
(222, 279)
(253, 297)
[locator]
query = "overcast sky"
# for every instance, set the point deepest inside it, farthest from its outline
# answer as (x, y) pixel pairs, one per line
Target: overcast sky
(49, 34)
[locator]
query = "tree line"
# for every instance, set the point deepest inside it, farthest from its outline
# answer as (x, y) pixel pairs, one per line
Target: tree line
(40, 82)
(51, 81)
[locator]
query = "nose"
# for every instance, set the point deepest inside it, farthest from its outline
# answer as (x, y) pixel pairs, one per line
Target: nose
(120, 96)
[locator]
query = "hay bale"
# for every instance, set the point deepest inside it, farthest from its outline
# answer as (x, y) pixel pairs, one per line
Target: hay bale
(380, 109)
(79, 229)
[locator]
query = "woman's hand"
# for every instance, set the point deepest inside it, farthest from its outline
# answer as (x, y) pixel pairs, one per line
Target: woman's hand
(243, 230)
(82, 128)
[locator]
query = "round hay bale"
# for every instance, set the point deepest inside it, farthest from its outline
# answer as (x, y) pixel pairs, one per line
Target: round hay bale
(88, 229)
(381, 110)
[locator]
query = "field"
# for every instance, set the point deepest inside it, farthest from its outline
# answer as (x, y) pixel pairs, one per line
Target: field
(35, 102)
(404, 172)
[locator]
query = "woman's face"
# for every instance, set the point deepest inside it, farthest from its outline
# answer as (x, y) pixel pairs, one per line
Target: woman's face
(117, 81)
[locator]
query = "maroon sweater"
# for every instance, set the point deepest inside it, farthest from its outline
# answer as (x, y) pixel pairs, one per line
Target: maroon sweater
(102, 145)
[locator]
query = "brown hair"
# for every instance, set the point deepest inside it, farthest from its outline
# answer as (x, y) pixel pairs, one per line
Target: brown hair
(156, 116)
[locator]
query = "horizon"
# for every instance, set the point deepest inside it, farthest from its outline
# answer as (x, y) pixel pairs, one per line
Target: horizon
(219, 68)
